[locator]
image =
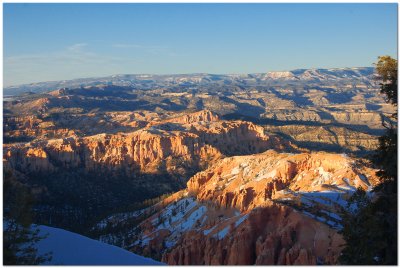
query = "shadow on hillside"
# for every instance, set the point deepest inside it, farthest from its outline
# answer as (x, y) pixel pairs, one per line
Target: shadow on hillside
(248, 109)
(340, 98)
(297, 98)
(274, 122)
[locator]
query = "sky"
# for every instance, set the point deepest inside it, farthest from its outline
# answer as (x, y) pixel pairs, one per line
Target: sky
(46, 42)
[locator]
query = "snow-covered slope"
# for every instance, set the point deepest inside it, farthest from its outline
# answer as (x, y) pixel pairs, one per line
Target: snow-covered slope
(356, 75)
(73, 249)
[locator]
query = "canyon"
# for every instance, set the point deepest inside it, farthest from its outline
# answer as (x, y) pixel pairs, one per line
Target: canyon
(268, 208)
(163, 154)
(200, 169)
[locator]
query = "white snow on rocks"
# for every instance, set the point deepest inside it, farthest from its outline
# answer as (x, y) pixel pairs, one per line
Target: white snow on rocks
(240, 220)
(264, 174)
(206, 232)
(177, 217)
(221, 234)
(235, 171)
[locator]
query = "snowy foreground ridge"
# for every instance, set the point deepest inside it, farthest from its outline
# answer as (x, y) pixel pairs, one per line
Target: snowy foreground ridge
(73, 249)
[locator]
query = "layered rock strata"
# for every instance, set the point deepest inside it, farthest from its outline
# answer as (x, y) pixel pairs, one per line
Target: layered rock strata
(268, 208)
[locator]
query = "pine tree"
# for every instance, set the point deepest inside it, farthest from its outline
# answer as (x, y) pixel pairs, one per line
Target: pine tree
(361, 230)
(370, 231)
(386, 154)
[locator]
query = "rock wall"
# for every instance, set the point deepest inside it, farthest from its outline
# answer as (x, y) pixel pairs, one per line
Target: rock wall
(245, 182)
(150, 149)
(265, 209)
(272, 235)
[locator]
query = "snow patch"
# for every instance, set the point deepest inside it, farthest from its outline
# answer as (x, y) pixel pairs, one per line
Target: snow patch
(221, 234)
(206, 232)
(235, 171)
(187, 213)
(332, 215)
(240, 220)
(347, 181)
(264, 174)
(73, 249)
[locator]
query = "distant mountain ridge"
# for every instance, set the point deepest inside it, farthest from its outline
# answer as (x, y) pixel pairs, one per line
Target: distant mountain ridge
(320, 75)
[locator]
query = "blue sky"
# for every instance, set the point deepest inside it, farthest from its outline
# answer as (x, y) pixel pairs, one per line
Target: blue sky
(44, 42)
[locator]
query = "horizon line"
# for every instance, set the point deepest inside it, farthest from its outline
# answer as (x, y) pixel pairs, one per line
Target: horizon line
(172, 74)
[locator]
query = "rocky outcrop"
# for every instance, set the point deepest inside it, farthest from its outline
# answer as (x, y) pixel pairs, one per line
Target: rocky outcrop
(367, 118)
(245, 182)
(363, 120)
(199, 140)
(268, 208)
(327, 138)
(136, 151)
(85, 176)
(293, 115)
(29, 128)
(272, 235)
(200, 116)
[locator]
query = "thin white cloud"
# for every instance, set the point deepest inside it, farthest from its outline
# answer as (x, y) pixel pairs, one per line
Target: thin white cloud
(72, 62)
(127, 46)
(77, 60)
(124, 45)
(77, 47)
(74, 54)
(151, 49)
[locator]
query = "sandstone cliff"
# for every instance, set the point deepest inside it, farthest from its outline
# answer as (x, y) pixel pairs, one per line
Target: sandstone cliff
(245, 182)
(111, 171)
(268, 208)
(271, 235)
(327, 138)
(195, 139)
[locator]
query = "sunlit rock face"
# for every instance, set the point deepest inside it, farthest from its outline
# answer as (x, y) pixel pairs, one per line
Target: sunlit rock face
(268, 208)
(269, 235)
(198, 138)
(265, 176)
(114, 170)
